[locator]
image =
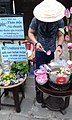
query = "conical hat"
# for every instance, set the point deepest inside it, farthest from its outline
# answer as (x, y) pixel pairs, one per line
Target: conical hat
(49, 11)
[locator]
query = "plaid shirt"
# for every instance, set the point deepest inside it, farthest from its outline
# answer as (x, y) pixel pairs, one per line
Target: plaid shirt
(46, 32)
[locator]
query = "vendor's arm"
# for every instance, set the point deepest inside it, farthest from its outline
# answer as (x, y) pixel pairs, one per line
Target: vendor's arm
(60, 36)
(31, 34)
(60, 42)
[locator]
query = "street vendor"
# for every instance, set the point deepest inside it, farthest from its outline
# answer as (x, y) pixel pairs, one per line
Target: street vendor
(47, 25)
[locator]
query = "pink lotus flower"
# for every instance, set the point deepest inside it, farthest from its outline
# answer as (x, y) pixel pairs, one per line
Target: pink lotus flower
(71, 10)
(69, 45)
(67, 13)
(67, 37)
(70, 26)
(48, 52)
(41, 79)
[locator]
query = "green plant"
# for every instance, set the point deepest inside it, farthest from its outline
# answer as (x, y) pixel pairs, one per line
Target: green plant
(18, 67)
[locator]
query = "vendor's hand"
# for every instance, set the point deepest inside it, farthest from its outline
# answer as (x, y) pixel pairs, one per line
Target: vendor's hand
(59, 50)
(39, 46)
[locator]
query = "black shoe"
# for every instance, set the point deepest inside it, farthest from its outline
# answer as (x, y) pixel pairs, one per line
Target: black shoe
(39, 97)
(39, 100)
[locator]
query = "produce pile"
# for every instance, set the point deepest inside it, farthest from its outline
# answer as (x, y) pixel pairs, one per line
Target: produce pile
(20, 69)
(60, 75)
(8, 79)
(61, 71)
(17, 74)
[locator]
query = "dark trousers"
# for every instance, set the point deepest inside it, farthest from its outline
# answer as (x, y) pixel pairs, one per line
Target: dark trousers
(41, 58)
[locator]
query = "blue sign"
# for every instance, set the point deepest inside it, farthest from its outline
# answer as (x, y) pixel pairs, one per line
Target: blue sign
(13, 52)
(11, 27)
